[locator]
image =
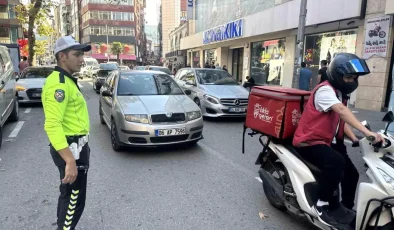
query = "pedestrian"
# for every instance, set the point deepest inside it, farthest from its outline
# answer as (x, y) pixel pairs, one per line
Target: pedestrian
(67, 127)
(305, 77)
(225, 68)
(322, 74)
(249, 83)
(23, 64)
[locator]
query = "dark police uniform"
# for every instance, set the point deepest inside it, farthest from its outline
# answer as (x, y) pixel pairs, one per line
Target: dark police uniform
(67, 122)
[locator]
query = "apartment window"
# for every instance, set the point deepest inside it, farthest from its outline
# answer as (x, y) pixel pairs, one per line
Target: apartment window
(115, 31)
(11, 12)
(115, 2)
(14, 34)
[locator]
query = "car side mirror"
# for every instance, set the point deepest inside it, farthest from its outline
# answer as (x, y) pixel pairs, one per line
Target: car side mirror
(106, 93)
(190, 82)
(188, 91)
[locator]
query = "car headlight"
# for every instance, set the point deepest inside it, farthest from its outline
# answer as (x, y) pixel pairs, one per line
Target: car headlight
(387, 177)
(193, 115)
(138, 118)
(20, 88)
(211, 99)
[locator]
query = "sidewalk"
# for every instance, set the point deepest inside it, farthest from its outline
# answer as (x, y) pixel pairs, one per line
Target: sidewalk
(373, 118)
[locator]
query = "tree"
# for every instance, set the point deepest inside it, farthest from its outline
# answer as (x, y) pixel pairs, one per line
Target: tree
(35, 15)
(117, 49)
(41, 48)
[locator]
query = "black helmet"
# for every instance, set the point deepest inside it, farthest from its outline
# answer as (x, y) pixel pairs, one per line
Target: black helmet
(346, 64)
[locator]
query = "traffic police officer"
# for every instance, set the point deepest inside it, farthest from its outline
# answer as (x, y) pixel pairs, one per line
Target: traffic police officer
(67, 127)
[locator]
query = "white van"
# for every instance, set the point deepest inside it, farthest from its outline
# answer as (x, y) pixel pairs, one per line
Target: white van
(90, 66)
(9, 105)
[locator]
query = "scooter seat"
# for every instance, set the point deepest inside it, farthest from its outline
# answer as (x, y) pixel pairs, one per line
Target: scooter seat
(314, 169)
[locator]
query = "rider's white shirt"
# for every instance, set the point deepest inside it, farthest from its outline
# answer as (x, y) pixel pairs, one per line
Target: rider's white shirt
(325, 98)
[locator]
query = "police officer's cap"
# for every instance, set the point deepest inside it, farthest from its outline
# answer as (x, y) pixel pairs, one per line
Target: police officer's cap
(67, 42)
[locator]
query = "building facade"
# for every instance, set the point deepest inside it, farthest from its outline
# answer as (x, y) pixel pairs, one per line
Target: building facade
(176, 58)
(171, 18)
(62, 18)
(243, 36)
(103, 23)
(10, 28)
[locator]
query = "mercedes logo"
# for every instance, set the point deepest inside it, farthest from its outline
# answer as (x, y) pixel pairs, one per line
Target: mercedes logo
(236, 102)
(169, 114)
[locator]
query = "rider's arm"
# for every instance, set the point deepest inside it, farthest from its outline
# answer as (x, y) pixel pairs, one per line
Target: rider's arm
(349, 133)
(346, 115)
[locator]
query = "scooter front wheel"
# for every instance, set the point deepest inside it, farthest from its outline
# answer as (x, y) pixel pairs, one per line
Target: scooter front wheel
(269, 191)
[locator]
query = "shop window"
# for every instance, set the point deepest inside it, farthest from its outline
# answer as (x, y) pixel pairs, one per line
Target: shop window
(325, 46)
(267, 62)
(14, 34)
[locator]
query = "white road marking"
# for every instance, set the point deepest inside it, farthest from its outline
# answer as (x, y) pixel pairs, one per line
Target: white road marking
(16, 130)
(91, 83)
(28, 110)
(354, 111)
(80, 86)
(259, 179)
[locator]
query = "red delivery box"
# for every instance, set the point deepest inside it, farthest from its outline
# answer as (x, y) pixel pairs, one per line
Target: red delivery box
(275, 110)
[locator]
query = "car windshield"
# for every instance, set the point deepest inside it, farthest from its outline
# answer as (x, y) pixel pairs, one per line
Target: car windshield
(108, 66)
(147, 84)
(164, 70)
(92, 63)
(37, 73)
(215, 77)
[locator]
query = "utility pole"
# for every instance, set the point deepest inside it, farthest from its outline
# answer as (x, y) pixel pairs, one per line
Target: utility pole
(106, 30)
(299, 43)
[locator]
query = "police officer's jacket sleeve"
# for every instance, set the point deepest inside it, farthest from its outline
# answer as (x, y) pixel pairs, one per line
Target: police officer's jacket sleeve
(55, 103)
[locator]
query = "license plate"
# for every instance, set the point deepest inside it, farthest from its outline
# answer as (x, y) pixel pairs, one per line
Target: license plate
(170, 132)
(237, 110)
(36, 94)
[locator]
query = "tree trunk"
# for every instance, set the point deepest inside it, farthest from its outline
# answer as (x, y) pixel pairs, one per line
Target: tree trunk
(118, 58)
(30, 36)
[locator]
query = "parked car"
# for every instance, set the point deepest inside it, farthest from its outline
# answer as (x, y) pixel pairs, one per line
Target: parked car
(148, 108)
(102, 74)
(9, 105)
(29, 84)
(124, 67)
(216, 92)
(139, 67)
(159, 68)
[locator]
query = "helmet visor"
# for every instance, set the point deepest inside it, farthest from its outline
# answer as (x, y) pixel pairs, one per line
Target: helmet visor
(355, 67)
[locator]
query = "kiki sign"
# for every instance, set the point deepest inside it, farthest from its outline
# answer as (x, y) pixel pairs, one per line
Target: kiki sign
(224, 32)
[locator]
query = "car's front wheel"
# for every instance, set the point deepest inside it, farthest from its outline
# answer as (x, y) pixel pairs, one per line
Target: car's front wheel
(116, 145)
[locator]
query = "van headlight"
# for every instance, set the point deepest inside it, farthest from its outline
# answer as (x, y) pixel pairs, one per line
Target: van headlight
(211, 99)
(193, 115)
(138, 118)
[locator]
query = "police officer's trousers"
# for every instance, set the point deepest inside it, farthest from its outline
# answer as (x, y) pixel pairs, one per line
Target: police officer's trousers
(72, 197)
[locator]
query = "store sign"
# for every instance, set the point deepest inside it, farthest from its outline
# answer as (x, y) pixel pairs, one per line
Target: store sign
(224, 32)
(190, 7)
(376, 36)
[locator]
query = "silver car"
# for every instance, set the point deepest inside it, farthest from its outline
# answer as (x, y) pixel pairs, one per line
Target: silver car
(148, 108)
(216, 92)
(29, 84)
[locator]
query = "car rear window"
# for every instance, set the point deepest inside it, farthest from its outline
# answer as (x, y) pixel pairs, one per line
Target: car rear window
(37, 73)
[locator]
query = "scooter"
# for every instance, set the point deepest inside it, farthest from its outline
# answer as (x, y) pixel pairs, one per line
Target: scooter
(289, 182)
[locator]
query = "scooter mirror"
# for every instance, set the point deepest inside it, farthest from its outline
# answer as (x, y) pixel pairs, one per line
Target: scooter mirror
(389, 117)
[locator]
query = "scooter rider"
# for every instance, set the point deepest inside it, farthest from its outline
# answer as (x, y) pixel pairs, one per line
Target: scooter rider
(324, 119)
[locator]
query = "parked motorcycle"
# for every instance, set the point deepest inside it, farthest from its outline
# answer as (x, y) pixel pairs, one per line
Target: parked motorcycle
(289, 182)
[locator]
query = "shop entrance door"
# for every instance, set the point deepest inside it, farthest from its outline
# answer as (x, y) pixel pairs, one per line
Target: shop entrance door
(237, 67)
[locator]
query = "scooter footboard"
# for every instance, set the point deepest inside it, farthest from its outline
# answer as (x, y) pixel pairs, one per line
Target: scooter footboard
(374, 207)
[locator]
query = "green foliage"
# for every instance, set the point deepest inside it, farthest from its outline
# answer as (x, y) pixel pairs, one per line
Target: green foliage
(41, 47)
